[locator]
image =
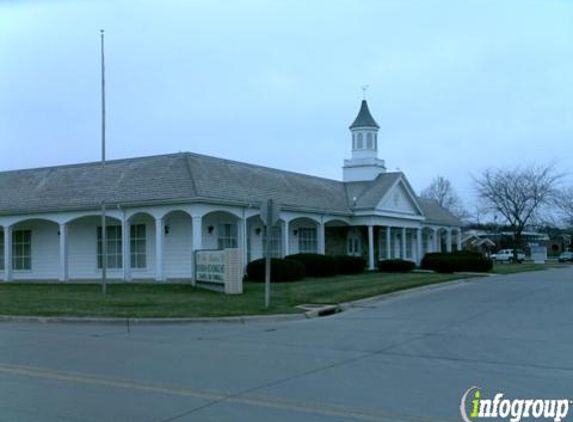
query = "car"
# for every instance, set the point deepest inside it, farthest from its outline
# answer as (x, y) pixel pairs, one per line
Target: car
(507, 255)
(566, 257)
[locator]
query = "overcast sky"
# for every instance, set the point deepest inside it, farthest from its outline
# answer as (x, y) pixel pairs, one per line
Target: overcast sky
(456, 86)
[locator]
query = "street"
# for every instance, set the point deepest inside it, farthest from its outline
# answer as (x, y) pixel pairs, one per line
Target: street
(405, 358)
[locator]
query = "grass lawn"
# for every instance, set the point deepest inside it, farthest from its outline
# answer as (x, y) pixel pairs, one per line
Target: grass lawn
(180, 300)
(503, 268)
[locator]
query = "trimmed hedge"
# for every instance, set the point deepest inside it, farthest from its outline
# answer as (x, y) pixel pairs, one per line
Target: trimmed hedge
(316, 265)
(456, 262)
(281, 270)
(396, 266)
(350, 264)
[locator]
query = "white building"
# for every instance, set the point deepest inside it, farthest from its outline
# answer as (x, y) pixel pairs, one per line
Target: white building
(162, 208)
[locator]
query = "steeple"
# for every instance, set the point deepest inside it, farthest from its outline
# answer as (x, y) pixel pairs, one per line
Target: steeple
(364, 118)
(364, 164)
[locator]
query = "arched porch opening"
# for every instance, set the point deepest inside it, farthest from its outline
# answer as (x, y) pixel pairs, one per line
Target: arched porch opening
(220, 230)
(304, 236)
(256, 239)
(30, 249)
(342, 239)
(84, 247)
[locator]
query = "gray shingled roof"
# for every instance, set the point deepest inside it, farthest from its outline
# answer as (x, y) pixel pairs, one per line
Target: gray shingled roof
(164, 178)
(230, 180)
(364, 118)
(436, 214)
(187, 177)
(369, 194)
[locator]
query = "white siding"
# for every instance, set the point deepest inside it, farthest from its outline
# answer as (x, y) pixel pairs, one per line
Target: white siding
(398, 200)
(178, 242)
(256, 240)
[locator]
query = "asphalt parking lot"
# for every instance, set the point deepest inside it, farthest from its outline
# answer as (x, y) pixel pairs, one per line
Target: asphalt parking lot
(408, 358)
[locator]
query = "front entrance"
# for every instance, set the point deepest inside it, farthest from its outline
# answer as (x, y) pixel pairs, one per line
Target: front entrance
(354, 243)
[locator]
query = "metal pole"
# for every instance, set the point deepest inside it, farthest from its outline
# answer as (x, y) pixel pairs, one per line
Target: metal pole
(269, 226)
(103, 217)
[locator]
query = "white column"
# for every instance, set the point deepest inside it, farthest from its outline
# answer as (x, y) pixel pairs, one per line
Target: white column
(197, 233)
(286, 237)
(321, 240)
(126, 248)
(449, 240)
(243, 239)
(403, 246)
(388, 242)
(64, 252)
(197, 223)
(7, 253)
(419, 245)
(159, 247)
(437, 242)
(370, 247)
(459, 239)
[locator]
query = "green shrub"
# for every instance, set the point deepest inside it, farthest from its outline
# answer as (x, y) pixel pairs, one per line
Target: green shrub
(396, 266)
(281, 270)
(350, 264)
(316, 265)
(456, 262)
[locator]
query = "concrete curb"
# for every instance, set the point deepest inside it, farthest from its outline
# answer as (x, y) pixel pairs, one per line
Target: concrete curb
(326, 310)
(156, 321)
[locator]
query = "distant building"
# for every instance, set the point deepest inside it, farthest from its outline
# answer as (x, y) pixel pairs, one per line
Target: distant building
(163, 208)
(478, 241)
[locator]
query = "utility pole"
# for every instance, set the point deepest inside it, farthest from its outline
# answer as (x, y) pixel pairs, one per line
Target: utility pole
(103, 190)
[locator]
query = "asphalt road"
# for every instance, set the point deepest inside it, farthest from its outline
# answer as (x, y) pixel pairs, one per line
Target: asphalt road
(408, 358)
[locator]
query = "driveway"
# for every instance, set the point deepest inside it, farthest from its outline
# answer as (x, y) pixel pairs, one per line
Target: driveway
(408, 358)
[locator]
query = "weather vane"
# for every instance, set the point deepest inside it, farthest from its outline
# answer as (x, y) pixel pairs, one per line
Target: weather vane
(364, 88)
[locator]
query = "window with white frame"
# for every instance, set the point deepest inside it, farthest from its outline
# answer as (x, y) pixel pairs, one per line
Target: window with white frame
(369, 140)
(227, 236)
(359, 141)
(138, 236)
(1, 250)
(22, 250)
(114, 247)
(307, 240)
(354, 243)
(276, 242)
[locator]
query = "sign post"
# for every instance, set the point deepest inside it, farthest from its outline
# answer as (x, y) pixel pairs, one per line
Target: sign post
(269, 215)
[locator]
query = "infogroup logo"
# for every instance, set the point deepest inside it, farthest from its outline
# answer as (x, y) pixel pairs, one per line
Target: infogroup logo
(515, 410)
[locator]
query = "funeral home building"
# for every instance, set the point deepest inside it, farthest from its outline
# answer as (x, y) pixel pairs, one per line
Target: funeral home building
(163, 208)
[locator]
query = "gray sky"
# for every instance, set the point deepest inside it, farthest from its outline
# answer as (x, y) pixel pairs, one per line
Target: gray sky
(456, 86)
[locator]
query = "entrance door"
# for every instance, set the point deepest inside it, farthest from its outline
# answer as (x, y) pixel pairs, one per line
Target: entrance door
(354, 243)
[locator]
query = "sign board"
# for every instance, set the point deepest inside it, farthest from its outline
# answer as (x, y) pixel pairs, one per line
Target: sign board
(220, 268)
(210, 266)
(539, 254)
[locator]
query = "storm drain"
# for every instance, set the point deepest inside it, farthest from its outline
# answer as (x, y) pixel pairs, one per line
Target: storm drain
(319, 309)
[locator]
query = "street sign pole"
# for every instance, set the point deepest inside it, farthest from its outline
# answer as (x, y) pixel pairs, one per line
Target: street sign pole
(103, 219)
(269, 226)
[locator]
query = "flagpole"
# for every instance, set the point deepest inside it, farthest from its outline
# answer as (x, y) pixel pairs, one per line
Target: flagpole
(103, 190)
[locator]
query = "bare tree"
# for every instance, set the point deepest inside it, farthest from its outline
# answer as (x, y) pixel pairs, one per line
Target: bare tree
(518, 194)
(442, 191)
(564, 202)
